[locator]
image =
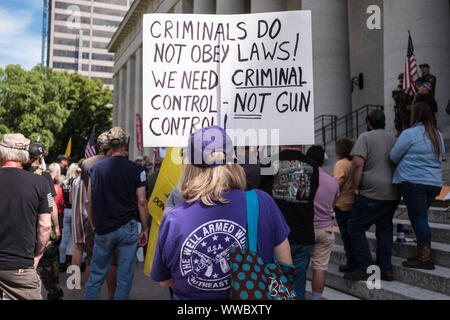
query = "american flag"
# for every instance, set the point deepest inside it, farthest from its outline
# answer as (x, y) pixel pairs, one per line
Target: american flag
(90, 147)
(410, 70)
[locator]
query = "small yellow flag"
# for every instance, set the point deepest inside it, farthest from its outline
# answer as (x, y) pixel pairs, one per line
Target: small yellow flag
(69, 148)
(168, 177)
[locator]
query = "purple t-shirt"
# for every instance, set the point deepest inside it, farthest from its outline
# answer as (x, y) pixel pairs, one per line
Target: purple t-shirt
(194, 241)
(326, 195)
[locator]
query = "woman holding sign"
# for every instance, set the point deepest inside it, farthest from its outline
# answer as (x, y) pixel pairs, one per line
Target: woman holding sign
(195, 237)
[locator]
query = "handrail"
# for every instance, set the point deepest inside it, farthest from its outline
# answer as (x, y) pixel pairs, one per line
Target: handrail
(351, 122)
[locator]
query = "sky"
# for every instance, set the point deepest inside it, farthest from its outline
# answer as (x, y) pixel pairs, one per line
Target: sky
(20, 32)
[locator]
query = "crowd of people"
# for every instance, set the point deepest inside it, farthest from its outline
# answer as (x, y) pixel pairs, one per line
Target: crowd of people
(365, 189)
(54, 208)
(100, 203)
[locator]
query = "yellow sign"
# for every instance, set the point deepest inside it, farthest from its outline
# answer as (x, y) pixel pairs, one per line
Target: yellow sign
(168, 177)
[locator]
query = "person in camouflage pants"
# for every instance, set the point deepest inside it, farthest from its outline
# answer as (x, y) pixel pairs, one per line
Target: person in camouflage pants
(48, 268)
(402, 107)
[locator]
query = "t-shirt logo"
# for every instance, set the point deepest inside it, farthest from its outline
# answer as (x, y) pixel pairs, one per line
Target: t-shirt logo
(293, 181)
(50, 200)
(204, 256)
(143, 176)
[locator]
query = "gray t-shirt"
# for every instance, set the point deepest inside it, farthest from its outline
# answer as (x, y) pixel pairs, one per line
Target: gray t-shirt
(376, 179)
(174, 199)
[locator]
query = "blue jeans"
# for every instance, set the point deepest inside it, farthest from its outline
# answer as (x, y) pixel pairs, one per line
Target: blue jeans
(342, 221)
(418, 199)
(301, 256)
(66, 235)
(125, 241)
(366, 212)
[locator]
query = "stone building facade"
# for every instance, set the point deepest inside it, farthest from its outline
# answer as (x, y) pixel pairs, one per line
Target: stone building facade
(343, 47)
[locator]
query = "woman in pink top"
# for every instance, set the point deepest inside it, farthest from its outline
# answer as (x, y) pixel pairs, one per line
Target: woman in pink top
(342, 173)
(324, 202)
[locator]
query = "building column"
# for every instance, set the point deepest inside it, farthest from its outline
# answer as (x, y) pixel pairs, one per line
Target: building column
(331, 61)
(116, 100)
(129, 122)
(123, 95)
(267, 5)
(230, 6)
(429, 23)
(204, 6)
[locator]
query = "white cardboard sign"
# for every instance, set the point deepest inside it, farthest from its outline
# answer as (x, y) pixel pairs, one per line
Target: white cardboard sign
(241, 72)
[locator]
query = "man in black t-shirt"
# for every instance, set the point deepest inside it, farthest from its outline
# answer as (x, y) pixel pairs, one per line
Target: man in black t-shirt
(293, 188)
(49, 266)
(116, 199)
(25, 207)
(103, 151)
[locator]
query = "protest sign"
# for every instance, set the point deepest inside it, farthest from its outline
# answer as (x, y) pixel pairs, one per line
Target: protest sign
(240, 72)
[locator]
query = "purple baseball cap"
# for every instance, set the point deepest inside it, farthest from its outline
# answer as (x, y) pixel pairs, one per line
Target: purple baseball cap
(203, 142)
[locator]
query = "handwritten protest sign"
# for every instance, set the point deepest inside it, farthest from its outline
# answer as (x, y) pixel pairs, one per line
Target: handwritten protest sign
(240, 72)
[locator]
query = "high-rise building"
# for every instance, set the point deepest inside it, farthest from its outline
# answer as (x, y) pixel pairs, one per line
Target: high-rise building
(78, 34)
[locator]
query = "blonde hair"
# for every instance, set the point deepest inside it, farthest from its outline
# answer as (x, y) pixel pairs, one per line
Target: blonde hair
(209, 184)
(72, 173)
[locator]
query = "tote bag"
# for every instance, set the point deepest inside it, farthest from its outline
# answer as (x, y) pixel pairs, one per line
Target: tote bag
(251, 278)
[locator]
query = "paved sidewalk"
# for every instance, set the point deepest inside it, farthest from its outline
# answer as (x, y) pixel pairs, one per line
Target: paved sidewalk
(144, 288)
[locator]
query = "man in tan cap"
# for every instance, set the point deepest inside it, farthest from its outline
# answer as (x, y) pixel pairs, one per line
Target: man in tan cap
(25, 207)
(116, 202)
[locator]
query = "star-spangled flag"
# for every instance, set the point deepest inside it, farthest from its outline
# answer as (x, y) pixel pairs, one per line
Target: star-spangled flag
(90, 147)
(410, 70)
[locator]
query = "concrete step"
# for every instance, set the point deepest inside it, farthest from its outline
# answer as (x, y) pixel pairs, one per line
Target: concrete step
(440, 252)
(389, 290)
(435, 214)
(437, 280)
(440, 232)
(329, 294)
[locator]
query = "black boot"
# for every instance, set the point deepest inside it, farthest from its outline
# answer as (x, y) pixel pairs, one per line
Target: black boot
(423, 259)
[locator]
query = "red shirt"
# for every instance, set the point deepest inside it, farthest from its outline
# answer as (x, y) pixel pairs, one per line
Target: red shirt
(59, 199)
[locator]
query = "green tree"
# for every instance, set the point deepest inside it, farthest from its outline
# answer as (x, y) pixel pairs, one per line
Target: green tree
(54, 106)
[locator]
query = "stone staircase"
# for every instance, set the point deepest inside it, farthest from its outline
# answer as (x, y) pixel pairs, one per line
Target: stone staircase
(409, 284)
(445, 131)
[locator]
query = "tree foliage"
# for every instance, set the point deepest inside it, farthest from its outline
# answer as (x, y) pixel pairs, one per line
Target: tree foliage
(54, 106)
